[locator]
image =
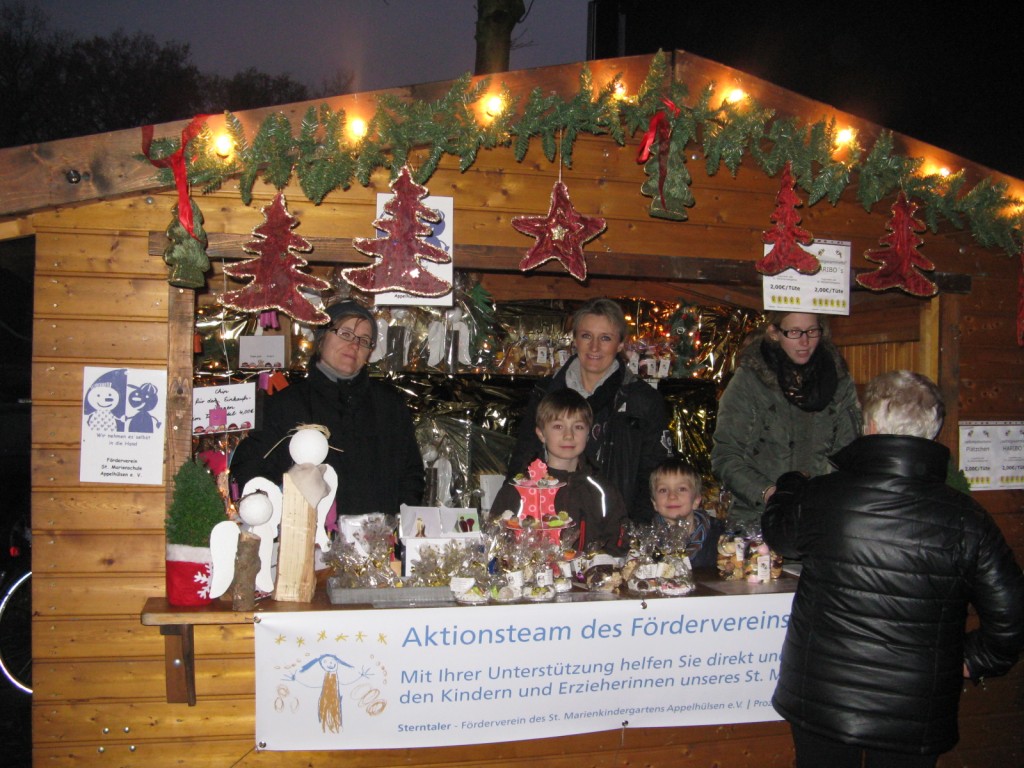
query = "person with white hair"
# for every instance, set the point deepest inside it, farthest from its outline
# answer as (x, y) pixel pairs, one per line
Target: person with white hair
(892, 556)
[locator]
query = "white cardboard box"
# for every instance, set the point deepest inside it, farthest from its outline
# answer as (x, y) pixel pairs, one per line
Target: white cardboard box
(434, 527)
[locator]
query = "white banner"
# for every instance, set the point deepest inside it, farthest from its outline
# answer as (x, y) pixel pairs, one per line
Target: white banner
(399, 678)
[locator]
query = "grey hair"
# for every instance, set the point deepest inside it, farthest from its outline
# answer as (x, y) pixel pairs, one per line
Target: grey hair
(904, 403)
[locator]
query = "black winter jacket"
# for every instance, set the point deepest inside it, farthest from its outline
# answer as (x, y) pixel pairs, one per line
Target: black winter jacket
(629, 437)
(379, 465)
(892, 557)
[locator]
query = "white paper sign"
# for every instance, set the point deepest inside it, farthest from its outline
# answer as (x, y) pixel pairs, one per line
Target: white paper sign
(824, 293)
(227, 408)
(443, 676)
(261, 352)
(443, 237)
(123, 414)
(992, 454)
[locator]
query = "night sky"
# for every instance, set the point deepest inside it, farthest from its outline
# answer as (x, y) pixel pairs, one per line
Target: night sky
(953, 80)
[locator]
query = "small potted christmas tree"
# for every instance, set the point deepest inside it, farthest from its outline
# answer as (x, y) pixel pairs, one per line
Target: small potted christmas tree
(195, 509)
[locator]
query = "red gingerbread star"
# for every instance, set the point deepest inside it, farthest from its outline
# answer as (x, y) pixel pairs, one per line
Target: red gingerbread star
(560, 235)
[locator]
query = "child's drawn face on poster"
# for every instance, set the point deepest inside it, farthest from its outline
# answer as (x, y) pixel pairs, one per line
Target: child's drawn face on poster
(103, 398)
(144, 398)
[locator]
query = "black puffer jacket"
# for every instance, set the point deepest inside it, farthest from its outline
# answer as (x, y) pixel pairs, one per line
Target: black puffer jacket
(377, 458)
(629, 437)
(892, 556)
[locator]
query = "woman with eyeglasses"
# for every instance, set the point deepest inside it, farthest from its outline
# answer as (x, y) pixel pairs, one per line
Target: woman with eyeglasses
(790, 405)
(372, 440)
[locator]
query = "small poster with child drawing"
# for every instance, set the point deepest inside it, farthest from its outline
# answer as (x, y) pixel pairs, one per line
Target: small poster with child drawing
(123, 421)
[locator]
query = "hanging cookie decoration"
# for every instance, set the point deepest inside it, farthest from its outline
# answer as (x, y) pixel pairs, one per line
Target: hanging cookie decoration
(560, 235)
(898, 255)
(787, 235)
(399, 256)
(276, 272)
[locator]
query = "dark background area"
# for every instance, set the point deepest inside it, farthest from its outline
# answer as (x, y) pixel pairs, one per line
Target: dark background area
(950, 75)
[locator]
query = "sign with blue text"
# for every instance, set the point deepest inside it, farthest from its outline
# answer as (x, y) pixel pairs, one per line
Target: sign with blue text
(429, 677)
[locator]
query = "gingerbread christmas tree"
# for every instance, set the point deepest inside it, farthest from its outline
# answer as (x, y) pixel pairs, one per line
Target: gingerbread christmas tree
(400, 255)
(787, 235)
(276, 271)
(898, 255)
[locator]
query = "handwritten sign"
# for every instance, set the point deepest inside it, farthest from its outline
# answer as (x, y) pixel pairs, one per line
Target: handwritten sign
(227, 408)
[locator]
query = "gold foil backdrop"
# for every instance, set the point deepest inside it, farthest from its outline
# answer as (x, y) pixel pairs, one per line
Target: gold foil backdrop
(497, 352)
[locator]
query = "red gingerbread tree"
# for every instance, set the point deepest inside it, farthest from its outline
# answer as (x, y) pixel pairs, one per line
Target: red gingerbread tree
(898, 255)
(276, 271)
(400, 255)
(787, 235)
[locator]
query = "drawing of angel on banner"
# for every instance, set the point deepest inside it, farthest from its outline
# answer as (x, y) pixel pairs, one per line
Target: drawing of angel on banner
(329, 704)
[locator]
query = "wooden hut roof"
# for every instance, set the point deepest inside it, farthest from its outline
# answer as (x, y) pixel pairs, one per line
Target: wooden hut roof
(104, 166)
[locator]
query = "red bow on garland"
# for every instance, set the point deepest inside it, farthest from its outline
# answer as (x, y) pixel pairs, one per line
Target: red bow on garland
(176, 162)
(659, 129)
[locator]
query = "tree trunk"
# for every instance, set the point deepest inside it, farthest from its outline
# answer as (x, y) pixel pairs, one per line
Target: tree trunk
(247, 565)
(495, 20)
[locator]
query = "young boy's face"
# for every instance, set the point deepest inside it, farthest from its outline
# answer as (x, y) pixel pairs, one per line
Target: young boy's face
(675, 496)
(564, 437)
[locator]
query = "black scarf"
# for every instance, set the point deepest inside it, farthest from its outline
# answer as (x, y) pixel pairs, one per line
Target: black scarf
(811, 386)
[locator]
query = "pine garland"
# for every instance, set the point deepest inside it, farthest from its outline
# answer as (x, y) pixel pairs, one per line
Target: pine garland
(325, 159)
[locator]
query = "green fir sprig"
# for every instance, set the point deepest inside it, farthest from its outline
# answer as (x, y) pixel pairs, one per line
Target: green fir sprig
(325, 159)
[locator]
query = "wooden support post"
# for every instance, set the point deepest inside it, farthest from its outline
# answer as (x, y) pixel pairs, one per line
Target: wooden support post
(179, 663)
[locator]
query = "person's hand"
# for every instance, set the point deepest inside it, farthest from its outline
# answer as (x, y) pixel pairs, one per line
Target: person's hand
(767, 493)
(967, 672)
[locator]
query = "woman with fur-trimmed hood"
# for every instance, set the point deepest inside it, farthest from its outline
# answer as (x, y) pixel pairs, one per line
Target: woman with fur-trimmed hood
(789, 406)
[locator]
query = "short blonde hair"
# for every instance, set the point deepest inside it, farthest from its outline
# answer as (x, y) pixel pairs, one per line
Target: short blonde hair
(606, 308)
(677, 466)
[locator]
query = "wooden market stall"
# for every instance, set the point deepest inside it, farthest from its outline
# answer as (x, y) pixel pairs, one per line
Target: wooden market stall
(98, 217)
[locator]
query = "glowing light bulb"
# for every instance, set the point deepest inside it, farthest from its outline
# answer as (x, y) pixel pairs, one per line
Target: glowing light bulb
(735, 95)
(619, 94)
(494, 106)
(845, 136)
(357, 127)
(223, 145)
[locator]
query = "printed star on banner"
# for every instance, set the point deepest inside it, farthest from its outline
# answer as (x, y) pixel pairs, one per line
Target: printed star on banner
(560, 235)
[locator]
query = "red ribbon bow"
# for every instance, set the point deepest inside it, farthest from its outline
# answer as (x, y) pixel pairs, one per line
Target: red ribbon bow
(659, 128)
(176, 162)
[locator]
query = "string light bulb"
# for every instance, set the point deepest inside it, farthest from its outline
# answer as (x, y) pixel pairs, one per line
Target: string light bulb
(223, 145)
(619, 92)
(845, 137)
(494, 106)
(357, 128)
(735, 95)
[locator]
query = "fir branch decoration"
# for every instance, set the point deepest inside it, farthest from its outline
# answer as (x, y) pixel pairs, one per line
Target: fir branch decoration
(728, 134)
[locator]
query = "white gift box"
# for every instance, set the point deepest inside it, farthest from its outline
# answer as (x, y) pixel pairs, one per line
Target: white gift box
(434, 527)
